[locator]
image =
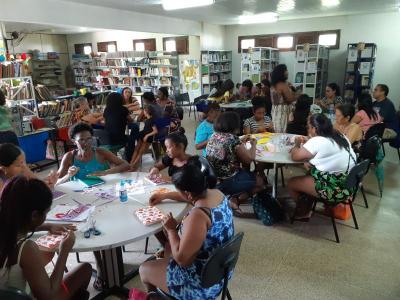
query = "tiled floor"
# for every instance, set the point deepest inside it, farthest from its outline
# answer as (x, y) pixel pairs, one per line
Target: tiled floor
(302, 261)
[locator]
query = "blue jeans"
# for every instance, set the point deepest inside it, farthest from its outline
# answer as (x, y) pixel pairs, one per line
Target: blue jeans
(241, 182)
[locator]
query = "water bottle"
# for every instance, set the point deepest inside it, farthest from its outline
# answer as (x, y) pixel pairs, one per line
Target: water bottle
(123, 194)
(331, 112)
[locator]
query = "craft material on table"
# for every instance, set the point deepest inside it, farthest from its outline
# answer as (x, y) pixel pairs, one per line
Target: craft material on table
(57, 195)
(70, 213)
(149, 215)
(161, 191)
(156, 179)
(50, 241)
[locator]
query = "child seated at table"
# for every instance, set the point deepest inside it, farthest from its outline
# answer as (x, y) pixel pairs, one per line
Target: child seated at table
(24, 205)
(146, 136)
(259, 122)
(298, 119)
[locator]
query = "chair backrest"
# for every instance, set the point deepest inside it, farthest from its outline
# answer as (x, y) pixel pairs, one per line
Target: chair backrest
(370, 148)
(376, 129)
(356, 174)
(208, 171)
(102, 137)
(182, 98)
(13, 294)
(221, 261)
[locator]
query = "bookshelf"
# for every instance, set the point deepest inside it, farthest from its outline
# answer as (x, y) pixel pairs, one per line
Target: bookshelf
(20, 98)
(257, 63)
(9, 69)
(359, 72)
(81, 67)
(215, 65)
(164, 70)
(48, 72)
(311, 69)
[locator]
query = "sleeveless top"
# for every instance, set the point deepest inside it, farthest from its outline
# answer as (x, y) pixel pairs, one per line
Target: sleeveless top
(91, 166)
(185, 282)
(13, 276)
(280, 111)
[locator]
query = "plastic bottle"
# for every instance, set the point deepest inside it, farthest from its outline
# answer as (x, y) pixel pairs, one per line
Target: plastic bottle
(331, 112)
(123, 194)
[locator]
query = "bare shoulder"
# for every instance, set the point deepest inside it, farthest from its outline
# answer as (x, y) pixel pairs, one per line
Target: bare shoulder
(29, 253)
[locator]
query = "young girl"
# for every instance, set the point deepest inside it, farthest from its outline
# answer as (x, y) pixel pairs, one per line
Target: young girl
(146, 136)
(21, 261)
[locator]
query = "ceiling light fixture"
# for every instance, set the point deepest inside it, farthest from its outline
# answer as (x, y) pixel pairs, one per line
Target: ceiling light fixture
(268, 17)
(330, 3)
(285, 5)
(179, 4)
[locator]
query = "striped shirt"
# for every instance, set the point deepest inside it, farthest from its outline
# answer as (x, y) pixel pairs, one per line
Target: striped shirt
(254, 126)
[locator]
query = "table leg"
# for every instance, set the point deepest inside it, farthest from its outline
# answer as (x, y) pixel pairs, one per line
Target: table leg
(275, 181)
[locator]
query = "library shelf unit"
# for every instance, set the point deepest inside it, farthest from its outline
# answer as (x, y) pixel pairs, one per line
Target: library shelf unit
(311, 69)
(359, 71)
(215, 65)
(48, 72)
(257, 63)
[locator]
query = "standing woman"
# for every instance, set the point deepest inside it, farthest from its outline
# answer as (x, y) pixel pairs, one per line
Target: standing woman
(7, 134)
(282, 97)
(131, 103)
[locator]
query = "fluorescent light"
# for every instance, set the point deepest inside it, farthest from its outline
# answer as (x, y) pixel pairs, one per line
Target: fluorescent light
(268, 17)
(330, 3)
(179, 4)
(285, 5)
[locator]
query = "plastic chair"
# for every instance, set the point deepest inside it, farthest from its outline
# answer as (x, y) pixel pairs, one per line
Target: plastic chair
(184, 100)
(208, 171)
(218, 267)
(376, 129)
(353, 182)
(10, 293)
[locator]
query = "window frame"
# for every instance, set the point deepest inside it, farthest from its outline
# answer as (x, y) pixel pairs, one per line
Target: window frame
(147, 43)
(178, 39)
(100, 45)
(81, 46)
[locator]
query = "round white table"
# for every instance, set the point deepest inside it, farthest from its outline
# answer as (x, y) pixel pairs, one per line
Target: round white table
(236, 105)
(276, 151)
(117, 223)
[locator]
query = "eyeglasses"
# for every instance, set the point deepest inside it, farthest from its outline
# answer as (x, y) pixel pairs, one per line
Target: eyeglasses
(85, 141)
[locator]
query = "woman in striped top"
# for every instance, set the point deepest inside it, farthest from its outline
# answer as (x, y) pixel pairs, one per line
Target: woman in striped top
(259, 122)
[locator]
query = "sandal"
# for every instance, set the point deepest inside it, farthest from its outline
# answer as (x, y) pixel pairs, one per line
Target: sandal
(237, 212)
(159, 253)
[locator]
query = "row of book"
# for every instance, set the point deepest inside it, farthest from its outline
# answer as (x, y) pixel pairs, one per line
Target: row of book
(54, 108)
(13, 69)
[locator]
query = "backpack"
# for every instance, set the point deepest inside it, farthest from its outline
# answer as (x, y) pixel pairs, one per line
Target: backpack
(267, 209)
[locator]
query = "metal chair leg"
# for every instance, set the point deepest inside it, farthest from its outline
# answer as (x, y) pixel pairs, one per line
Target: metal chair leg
(353, 215)
(364, 196)
(228, 295)
(146, 245)
(123, 249)
(334, 225)
(282, 178)
(398, 153)
(77, 257)
(314, 205)
(383, 149)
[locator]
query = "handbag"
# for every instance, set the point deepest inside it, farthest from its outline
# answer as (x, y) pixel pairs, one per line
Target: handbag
(267, 209)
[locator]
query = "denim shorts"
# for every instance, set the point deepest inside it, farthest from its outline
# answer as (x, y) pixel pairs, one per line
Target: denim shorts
(241, 182)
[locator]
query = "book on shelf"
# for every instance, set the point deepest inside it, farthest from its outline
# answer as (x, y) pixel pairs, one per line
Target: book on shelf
(351, 67)
(299, 77)
(352, 55)
(300, 55)
(365, 80)
(366, 53)
(365, 67)
(204, 59)
(348, 94)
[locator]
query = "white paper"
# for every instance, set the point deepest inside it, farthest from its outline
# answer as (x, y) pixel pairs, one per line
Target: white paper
(365, 67)
(300, 55)
(312, 66)
(352, 55)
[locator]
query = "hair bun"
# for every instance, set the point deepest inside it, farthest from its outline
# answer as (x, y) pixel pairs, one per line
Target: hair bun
(181, 130)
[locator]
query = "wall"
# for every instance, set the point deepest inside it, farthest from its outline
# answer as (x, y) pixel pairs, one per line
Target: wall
(212, 37)
(381, 29)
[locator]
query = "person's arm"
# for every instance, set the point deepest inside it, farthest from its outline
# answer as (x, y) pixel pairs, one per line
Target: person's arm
(354, 134)
(356, 119)
(184, 249)
(120, 165)
(201, 140)
(299, 153)
(158, 166)
(42, 286)
(246, 156)
(159, 197)
(287, 93)
(153, 133)
(63, 172)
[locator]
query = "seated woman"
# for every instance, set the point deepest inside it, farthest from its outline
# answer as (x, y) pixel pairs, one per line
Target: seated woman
(82, 112)
(224, 94)
(247, 90)
(366, 116)
(206, 128)
(146, 136)
(259, 122)
(344, 115)
(331, 158)
(86, 159)
(207, 226)
(25, 203)
(116, 117)
(332, 97)
(226, 152)
(131, 103)
(176, 156)
(169, 108)
(298, 119)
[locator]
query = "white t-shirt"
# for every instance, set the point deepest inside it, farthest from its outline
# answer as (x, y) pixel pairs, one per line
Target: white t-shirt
(328, 157)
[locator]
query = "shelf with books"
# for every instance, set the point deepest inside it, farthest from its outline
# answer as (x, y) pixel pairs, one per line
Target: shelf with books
(311, 69)
(215, 65)
(43, 68)
(360, 68)
(257, 63)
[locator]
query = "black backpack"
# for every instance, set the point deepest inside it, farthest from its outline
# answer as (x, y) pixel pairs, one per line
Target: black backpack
(267, 209)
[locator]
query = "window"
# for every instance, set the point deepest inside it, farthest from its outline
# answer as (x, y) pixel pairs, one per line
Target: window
(144, 45)
(107, 47)
(180, 44)
(328, 39)
(284, 42)
(85, 48)
(246, 44)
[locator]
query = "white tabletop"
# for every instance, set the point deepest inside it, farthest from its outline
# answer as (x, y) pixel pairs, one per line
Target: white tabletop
(276, 150)
(241, 104)
(116, 221)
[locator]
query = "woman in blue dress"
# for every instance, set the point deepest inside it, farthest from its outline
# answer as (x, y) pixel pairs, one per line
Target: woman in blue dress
(208, 225)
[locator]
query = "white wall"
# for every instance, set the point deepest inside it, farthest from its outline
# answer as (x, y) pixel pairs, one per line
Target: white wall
(212, 37)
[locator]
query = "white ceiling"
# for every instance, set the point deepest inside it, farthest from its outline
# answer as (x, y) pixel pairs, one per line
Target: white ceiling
(227, 11)
(42, 28)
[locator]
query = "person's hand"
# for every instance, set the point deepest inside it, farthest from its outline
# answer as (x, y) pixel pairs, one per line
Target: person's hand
(156, 198)
(72, 171)
(253, 142)
(246, 138)
(261, 129)
(154, 171)
(298, 141)
(61, 228)
(51, 179)
(98, 173)
(68, 242)
(169, 223)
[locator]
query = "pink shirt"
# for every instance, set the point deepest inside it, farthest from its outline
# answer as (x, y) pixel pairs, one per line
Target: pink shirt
(366, 122)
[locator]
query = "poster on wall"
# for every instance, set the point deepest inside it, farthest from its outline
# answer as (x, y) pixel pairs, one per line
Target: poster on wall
(365, 67)
(190, 77)
(352, 56)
